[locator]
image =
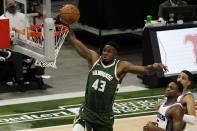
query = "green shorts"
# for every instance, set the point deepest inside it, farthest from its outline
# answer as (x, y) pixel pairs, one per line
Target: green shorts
(96, 121)
(92, 126)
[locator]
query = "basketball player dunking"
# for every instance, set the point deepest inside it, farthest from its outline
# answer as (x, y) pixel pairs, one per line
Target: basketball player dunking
(170, 113)
(105, 74)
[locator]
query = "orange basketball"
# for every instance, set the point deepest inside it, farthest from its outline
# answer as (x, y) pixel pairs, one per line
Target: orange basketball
(69, 14)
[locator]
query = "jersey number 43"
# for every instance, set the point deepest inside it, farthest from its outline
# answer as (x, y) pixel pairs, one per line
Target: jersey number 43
(99, 85)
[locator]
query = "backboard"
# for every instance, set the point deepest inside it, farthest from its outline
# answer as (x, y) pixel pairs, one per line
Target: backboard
(36, 12)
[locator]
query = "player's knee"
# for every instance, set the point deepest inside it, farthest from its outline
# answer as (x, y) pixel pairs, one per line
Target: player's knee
(78, 127)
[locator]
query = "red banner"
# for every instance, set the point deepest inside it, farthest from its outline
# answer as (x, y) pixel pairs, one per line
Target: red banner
(4, 34)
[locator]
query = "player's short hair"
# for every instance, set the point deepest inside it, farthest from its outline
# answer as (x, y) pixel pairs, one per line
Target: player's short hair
(113, 44)
(189, 74)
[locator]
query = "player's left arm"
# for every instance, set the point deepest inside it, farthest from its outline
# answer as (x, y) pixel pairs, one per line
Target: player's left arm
(190, 103)
(127, 67)
(176, 114)
(190, 117)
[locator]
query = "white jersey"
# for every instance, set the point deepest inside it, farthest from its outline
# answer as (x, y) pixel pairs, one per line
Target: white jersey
(162, 120)
(182, 95)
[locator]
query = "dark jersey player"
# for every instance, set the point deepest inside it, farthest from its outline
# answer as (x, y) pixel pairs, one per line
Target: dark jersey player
(105, 74)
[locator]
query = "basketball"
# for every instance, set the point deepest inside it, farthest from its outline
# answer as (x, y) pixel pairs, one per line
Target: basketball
(69, 14)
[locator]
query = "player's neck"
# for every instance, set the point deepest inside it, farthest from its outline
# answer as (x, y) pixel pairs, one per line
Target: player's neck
(106, 63)
(185, 90)
(171, 100)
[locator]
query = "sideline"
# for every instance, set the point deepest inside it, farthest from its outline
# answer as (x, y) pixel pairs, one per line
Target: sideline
(60, 96)
(124, 124)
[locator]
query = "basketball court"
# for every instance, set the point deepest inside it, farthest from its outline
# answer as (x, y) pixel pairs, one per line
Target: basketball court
(126, 124)
(46, 56)
(50, 114)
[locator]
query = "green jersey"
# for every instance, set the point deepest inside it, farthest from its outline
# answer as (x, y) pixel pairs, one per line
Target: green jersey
(101, 89)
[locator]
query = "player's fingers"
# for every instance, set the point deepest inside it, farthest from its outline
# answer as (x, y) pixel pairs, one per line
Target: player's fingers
(165, 68)
(162, 66)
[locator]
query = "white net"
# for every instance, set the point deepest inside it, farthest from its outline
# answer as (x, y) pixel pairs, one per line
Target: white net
(59, 41)
(35, 39)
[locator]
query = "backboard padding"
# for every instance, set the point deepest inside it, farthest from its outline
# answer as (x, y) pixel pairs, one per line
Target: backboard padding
(4, 34)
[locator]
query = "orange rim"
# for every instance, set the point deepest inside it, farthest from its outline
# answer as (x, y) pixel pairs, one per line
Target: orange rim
(35, 30)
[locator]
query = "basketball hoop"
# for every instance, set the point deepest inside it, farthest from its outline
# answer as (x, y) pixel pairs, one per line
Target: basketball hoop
(35, 34)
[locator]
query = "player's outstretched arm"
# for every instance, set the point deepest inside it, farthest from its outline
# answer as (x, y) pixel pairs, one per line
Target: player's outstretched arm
(145, 70)
(81, 49)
